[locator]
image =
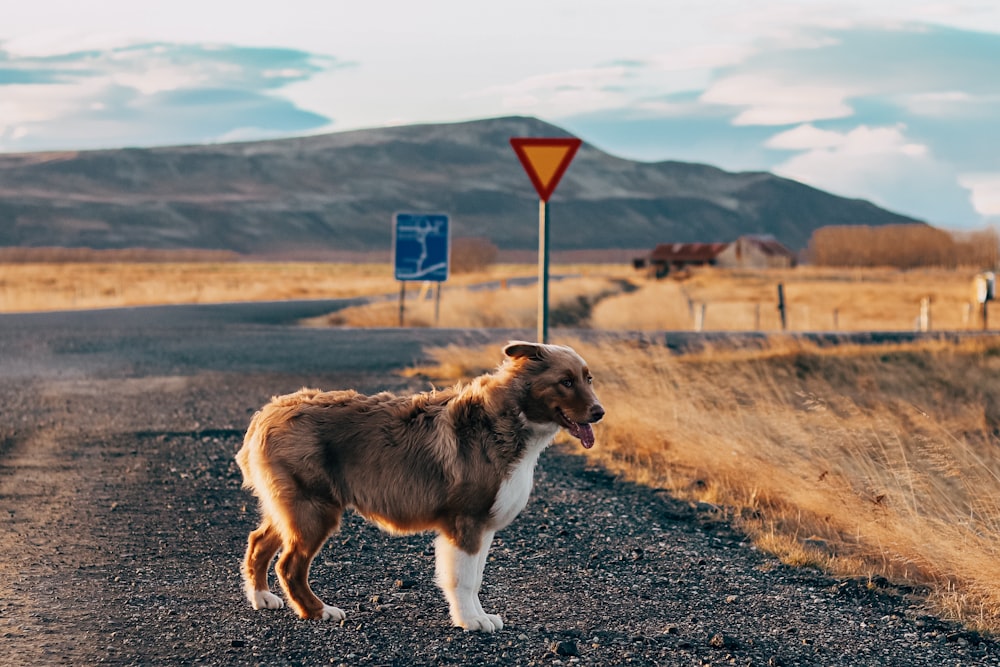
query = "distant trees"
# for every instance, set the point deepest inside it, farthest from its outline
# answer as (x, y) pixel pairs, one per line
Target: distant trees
(903, 246)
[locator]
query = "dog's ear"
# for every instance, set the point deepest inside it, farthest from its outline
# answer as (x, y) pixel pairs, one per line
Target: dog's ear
(519, 349)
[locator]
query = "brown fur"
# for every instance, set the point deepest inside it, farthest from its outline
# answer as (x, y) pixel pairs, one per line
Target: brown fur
(431, 461)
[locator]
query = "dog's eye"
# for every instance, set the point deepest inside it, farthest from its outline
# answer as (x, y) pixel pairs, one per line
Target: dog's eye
(567, 383)
(590, 380)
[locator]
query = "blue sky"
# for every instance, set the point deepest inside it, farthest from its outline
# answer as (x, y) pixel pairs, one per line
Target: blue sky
(893, 101)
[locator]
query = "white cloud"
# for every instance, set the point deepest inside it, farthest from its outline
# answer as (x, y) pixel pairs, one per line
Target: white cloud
(861, 141)
(881, 164)
(562, 92)
(806, 137)
(31, 103)
(702, 56)
(49, 41)
(147, 94)
(768, 101)
(948, 105)
(985, 187)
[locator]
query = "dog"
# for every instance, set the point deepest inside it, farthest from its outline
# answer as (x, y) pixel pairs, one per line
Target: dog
(458, 461)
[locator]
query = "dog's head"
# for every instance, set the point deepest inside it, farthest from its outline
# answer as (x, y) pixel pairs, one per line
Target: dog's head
(560, 387)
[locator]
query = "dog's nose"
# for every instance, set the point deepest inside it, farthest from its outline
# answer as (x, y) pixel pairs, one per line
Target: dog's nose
(596, 413)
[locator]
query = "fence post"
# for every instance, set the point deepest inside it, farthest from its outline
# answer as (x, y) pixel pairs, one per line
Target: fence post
(699, 316)
(781, 306)
(925, 314)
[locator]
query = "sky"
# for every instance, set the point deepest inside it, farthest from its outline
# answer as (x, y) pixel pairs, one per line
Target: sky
(893, 101)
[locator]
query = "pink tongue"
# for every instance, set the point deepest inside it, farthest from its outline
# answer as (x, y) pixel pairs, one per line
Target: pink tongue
(583, 432)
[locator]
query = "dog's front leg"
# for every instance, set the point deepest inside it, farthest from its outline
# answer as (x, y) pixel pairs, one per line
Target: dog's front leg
(460, 575)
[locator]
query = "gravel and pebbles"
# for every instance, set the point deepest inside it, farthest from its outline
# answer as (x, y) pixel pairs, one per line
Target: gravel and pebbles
(123, 524)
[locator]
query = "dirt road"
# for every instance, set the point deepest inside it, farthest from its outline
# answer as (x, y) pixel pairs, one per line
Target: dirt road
(122, 523)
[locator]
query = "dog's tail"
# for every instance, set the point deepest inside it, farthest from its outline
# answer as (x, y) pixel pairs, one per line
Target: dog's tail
(252, 458)
(253, 444)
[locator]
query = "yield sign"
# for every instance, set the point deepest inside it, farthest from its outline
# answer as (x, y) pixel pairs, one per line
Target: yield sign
(545, 160)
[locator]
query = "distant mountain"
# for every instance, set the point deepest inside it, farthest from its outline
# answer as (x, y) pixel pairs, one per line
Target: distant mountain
(339, 191)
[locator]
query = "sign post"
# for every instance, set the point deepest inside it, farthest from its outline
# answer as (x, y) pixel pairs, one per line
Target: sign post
(420, 250)
(545, 161)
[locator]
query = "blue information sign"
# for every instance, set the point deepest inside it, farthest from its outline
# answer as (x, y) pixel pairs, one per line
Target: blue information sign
(420, 246)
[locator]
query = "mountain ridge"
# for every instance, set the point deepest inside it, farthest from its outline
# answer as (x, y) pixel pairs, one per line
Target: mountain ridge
(338, 192)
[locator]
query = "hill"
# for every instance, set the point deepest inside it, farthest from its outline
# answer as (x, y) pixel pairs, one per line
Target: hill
(339, 191)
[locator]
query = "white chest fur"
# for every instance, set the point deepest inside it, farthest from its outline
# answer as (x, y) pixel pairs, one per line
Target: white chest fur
(515, 489)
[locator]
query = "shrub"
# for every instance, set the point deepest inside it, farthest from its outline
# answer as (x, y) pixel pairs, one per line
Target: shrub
(902, 246)
(472, 253)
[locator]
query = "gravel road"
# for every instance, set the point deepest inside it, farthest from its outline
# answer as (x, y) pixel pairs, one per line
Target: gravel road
(123, 524)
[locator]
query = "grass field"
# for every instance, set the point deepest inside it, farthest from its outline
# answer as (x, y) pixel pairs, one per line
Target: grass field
(69, 285)
(816, 300)
(866, 462)
(598, 296)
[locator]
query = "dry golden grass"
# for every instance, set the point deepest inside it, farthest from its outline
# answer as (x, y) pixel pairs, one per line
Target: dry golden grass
(817, 299)
(59, 286)
(509, 307)
(863, 299)
(78, 285)
(864, 461)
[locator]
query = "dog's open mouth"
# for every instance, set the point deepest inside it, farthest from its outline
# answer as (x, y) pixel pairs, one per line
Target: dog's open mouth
(582, 432)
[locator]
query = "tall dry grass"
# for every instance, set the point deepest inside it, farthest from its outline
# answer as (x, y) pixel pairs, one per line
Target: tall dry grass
(863, 461)
(503, 305)
(608, 296)
(35, 286)
(76, 285)
(816, 299)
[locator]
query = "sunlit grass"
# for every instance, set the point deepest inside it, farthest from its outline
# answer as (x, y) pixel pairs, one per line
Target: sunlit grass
(864, 461)
(502, 307)
(817, 299)
(80, 285)
(616, 296)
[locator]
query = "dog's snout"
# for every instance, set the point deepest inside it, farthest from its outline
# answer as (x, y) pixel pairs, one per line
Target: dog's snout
(596, 412)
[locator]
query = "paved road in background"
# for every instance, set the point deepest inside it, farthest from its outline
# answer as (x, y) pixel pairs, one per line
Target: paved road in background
(122, 524)
(250, 337)
(258, 337)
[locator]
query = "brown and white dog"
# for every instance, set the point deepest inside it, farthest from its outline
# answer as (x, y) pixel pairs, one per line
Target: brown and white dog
(458, 461)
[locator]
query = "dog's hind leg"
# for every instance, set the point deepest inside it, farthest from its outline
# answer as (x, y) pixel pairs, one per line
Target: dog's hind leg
(460, 575)
(313, 525)
(262, 544)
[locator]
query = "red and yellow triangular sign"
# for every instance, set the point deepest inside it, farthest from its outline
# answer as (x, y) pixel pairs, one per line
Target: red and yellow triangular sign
(545, 160)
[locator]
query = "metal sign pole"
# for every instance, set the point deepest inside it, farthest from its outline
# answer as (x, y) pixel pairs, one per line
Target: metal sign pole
(545, 160)
(543, 271)
(402, 301)
(437, 306)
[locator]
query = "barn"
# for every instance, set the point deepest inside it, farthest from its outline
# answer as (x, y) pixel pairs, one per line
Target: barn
(756, 252)
(746, 252)
(667, 258)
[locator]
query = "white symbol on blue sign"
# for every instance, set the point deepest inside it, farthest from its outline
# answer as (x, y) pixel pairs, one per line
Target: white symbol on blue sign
(420, 246)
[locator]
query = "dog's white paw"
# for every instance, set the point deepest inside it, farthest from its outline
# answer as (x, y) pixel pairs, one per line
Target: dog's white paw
(333, 613)
(482, 623)
(266, 600)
